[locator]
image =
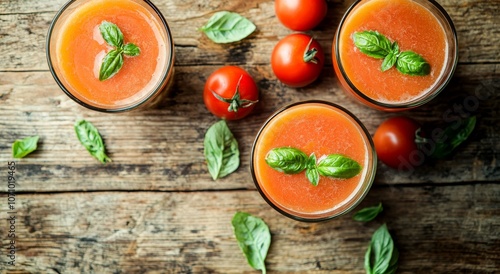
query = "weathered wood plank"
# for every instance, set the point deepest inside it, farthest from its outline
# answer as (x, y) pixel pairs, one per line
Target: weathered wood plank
(162, 149)
(23, 32)
(453, 229)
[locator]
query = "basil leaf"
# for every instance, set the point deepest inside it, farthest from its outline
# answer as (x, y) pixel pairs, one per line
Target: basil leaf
(111, 34)
(131, 50)
(367, 214)
(112, 63)
(391, 58)
(413, 64)
(287, 159)
(312, 173)
(372, 43)
(453, 137)
(90, 138)
(221, 150)
(23, 147)
(338, 166)
(227, 27)
(381, 257)
(254, 238)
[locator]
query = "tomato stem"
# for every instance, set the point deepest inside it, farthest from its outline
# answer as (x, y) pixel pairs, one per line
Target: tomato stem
(235, 102)
(310, 54)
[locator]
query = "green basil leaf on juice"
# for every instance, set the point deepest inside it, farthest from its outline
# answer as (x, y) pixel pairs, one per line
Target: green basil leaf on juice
(338, 166)
(112, 63)
(413, 64)
(131, 50)
(254, 238)
(453, 137)
(368, 213)
(23, 147)
(111, 34)
(89, 137)
(287, 159)
(312, 173)
(227, 27)
(372, 44)
(221, 150)
(381, 256)
(391, 58)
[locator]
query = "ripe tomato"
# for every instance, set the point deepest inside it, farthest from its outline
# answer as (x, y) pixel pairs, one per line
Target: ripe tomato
(300, 15)
(395, 143)
(230, 93)
(297, 60)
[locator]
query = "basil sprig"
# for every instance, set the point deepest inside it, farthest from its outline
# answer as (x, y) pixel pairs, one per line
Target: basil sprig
(227, 27)
(221, 150)
(452, 136)
(368, 213)
(113, 61)
(376, 45)
(254, 238)
(290, 160)
(381, 257)
(89, 137)
(23, 147)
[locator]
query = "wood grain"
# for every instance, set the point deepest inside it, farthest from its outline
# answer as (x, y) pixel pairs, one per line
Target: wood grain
(162, 149)
(476, 23)
(436, 229)
(155, 208)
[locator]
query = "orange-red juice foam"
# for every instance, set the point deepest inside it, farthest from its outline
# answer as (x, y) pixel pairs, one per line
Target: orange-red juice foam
(80, 49)
(311, 128)
(414, 28)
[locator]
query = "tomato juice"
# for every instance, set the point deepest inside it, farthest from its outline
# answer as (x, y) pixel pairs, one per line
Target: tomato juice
(321, 128)
(419, 26)
(76, 50)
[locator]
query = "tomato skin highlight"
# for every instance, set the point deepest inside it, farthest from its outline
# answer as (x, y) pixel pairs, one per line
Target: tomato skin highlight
(395, 143)
(300, 15)
(288, 64)
(224, 82)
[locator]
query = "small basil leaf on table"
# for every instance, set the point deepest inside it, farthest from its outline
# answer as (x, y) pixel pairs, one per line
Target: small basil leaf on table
(23, 147)
(381, 257)
(338, 166)
(221, 150)
(368, 213)
(89, 137)
(288, 160)
(227, 27)
(452, 137)
(254, 238)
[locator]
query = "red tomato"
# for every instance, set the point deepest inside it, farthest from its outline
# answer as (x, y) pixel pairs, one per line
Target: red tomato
(300, 15)
(230, 93)
(297, 60)
(395, 143)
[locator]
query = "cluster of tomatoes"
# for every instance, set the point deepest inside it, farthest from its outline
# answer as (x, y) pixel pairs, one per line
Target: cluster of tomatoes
(297, 60)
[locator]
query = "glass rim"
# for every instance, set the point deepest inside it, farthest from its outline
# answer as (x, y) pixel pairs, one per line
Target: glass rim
(326, 215)
(158, 87)
(421, 100)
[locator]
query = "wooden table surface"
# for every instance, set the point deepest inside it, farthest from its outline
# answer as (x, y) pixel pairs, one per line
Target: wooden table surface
(155, 208)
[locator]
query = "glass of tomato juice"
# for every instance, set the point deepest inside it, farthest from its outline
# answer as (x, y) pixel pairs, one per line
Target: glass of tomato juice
(320, 128)
(420, 26)
(76, 49)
